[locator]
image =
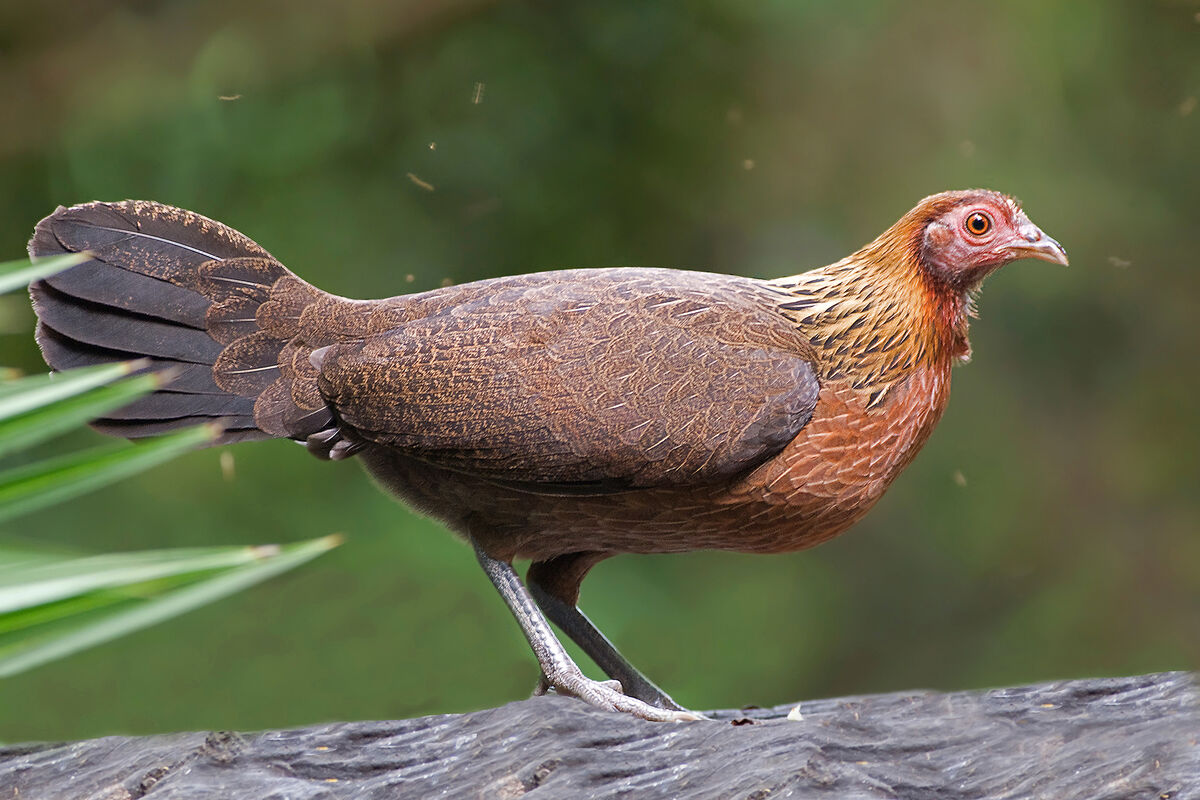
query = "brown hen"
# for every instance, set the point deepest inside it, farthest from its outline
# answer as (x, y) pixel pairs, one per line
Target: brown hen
(563, 417)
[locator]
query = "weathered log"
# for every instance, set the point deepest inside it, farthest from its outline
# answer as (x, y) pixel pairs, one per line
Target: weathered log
(1109, 738)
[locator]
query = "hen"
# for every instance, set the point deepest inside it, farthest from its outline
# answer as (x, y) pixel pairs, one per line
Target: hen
(562, 417)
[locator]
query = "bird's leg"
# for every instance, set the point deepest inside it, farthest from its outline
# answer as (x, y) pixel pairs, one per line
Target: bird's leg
(554, 584)
(560, 671)
(584, 633)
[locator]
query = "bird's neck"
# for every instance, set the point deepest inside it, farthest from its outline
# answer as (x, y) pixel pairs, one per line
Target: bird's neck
(876, 316)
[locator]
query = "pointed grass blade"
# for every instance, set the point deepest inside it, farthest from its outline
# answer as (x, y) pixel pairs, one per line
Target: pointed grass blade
(59, 578)
(20, 273)
(36, 634)
(26, 394)
(32, 427)
(51, 481)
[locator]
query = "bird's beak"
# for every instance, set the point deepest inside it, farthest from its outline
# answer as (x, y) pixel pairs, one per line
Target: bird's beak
(1035, 244)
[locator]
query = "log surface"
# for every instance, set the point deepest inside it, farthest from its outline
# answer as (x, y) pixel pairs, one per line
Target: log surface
(1108, 738)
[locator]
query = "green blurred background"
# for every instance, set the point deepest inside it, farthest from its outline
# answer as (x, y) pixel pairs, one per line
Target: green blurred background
(1048, 530)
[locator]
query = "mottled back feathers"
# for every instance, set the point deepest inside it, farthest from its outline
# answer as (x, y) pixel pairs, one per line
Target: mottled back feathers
(583, 380)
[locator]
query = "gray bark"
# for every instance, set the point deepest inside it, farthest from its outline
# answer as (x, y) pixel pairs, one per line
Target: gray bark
(1108, 738)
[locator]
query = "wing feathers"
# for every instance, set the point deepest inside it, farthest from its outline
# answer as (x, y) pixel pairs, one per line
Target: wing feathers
(600, 379)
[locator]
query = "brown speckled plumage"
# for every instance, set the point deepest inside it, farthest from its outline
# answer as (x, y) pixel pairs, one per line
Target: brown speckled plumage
(562, 417)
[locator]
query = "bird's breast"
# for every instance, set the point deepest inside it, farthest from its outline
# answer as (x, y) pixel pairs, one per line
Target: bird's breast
(841, 462)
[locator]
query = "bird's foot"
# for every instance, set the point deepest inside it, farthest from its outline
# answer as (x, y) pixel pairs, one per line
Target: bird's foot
(609, 696)
(543, 687)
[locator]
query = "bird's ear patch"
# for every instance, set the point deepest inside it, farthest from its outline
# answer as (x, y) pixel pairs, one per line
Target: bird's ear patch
(938, 234)
(938, 238)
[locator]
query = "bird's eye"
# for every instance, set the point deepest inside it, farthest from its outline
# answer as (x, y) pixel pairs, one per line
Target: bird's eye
(978, 223)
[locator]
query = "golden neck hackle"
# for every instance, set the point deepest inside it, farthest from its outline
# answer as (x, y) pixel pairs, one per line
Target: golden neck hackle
(877, 315)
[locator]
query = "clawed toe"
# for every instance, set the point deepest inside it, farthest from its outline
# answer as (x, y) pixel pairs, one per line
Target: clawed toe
(608, 695)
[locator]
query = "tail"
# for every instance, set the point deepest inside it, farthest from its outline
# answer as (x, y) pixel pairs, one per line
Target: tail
(232, 325)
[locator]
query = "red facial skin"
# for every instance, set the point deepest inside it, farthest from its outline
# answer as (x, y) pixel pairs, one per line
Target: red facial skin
(968, 242)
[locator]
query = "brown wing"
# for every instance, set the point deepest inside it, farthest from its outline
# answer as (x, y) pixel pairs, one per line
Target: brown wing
(587, 380)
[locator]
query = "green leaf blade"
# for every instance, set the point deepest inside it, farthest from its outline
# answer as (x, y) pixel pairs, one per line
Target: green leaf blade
(20, 273)
(61, 579)
(33, 427)
(45, 483)
(21, 650)
(38, 391)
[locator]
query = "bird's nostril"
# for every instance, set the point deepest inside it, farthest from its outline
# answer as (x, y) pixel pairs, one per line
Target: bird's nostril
(1033, 237)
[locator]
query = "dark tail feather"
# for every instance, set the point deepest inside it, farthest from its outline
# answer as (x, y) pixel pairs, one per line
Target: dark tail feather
(193, 296)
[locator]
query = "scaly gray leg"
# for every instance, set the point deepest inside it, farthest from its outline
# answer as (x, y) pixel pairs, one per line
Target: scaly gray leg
(574, 623)
(560, 671)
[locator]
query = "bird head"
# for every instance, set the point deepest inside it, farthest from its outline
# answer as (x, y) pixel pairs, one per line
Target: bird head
(965, 236)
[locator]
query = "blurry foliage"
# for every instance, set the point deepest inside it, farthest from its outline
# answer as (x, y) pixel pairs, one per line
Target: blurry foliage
(1049, 529)
(54, 604)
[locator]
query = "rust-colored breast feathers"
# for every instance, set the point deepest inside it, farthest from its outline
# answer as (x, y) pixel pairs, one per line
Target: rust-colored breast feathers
(843, 461)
